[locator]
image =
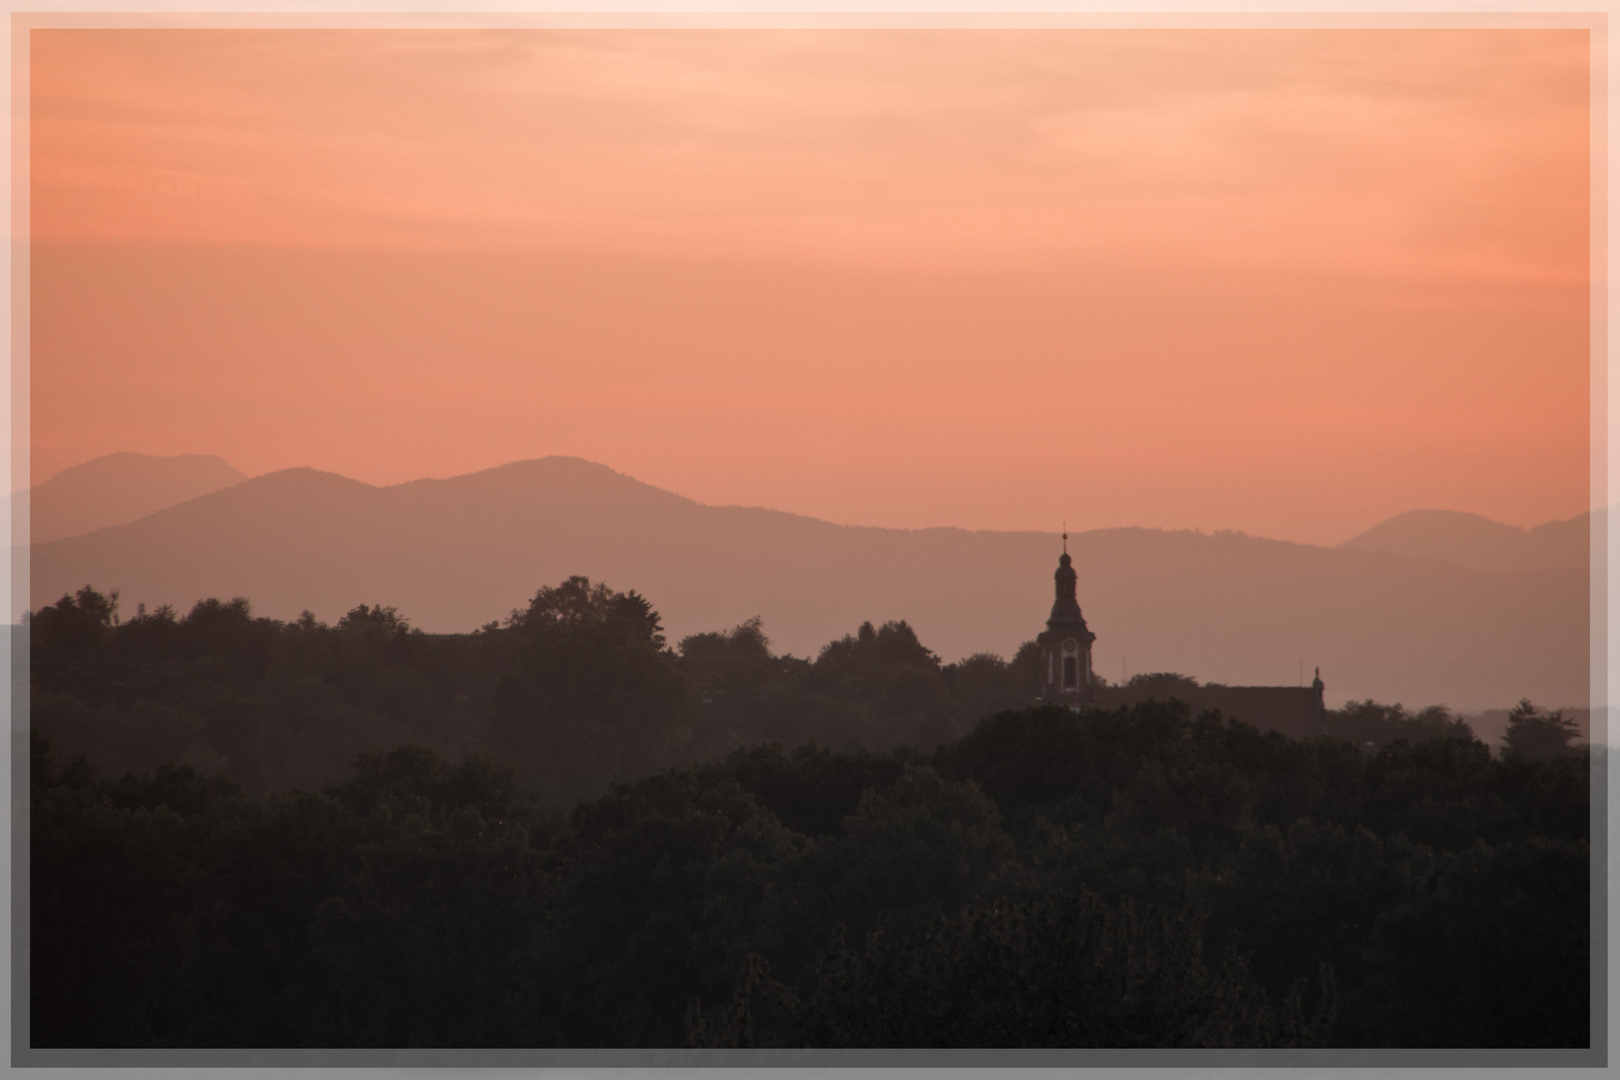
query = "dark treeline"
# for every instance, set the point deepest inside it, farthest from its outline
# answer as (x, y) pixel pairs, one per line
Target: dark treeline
(574, 692)
(1126, 879)
(1040, 877)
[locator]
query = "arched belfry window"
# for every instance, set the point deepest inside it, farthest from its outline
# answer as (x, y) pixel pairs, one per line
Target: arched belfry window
(1071, 664)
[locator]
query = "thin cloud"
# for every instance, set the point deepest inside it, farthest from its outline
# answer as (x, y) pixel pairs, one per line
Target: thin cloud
(1419, 154)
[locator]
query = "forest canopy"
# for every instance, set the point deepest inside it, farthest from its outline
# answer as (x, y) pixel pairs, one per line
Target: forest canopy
(561, 831)
(575, 690)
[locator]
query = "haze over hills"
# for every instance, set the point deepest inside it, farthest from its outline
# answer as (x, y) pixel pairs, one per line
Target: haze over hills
(453, 554)
(1478, 542)
(122, 487)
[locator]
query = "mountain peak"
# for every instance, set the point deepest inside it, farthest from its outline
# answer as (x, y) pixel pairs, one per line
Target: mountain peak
(117, 488)
(1477, 542)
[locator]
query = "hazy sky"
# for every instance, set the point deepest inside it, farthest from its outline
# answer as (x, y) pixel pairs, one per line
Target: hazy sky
(1288, 282)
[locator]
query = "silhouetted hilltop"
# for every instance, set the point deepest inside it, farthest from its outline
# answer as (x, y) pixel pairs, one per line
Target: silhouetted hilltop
(119, 488)
(454, 554)
(1477, 542)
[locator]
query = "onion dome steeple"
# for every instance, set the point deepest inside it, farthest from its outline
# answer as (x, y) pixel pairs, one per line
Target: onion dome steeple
(1066, 643)
(1065, 608)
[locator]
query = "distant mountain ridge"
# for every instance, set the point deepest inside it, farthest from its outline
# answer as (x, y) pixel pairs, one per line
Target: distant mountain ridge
(119, 488)
(453, 554)
(1478, 542)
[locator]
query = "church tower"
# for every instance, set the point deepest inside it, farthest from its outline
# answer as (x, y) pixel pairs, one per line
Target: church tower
(1066, 644)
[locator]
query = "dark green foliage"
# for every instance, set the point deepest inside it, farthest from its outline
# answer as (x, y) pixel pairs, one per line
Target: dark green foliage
(985, 684)
(169, 910)
(593, 695)
(1297, 847)
(896, 682)
(813, 790)
(1490, 956)
(744, 693)
(1371, 725)
(1140, 877)
(878, 688)
(1121, 879)
(1163, 683)
(1537, 735)
(1059, 970)
(74, 626)
(576, 691)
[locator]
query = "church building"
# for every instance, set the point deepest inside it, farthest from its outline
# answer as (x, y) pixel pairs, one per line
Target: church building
(1067, 677)
(1065, 644)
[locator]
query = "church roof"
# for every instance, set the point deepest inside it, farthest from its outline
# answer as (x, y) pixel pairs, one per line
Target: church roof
(1065, 608)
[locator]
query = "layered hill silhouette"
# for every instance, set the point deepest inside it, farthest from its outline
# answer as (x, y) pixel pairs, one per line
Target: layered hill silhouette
(118, 488)
(1478, 542)
(454, 554)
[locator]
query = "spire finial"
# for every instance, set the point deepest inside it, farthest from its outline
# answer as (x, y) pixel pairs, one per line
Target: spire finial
(1065, 536)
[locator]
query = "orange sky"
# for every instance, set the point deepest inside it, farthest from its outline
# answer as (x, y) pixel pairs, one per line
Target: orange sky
(1288, 282)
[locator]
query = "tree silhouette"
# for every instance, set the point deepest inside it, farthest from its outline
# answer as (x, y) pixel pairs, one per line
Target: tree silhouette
(593, 695)
(1536, 735)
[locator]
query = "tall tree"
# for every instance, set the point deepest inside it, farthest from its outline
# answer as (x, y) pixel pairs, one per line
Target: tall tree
(593, 695)
(1536, 735)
